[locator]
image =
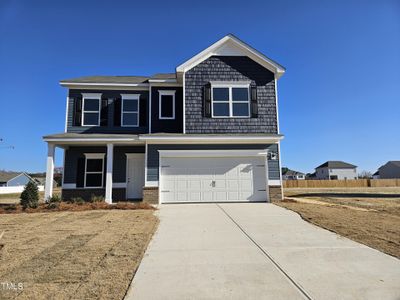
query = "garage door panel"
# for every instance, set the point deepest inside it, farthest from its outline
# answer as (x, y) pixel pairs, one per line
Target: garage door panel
(194, 184)
(220, 184)
(169, 184)
(195, 196)
(207, 196)
(212, 179)
(220, 196)
(181, 184)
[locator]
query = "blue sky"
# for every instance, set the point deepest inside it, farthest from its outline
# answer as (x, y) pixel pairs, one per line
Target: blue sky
(339, 99)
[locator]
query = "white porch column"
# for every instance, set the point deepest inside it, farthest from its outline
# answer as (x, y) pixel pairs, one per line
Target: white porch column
(109, 181)
(49, 172)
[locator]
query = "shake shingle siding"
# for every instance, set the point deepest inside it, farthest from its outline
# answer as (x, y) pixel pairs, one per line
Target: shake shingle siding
(230, 68)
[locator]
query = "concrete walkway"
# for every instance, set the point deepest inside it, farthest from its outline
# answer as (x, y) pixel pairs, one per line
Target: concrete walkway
(257, 251)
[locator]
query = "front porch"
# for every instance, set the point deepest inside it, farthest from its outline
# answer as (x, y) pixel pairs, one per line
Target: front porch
(111, 167)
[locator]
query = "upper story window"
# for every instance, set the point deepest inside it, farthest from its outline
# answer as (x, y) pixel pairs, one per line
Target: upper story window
(230, 100)
(166, 105)
(91, 109)
(130, 110)
(94, 166)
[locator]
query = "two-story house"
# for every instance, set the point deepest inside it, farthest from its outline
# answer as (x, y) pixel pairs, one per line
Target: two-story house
(207, 133)
(336, 170)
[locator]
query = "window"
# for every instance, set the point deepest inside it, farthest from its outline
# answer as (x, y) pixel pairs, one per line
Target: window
(166, 105)
(130, 110)
(230, 101)
(94, 167)
(91, 109)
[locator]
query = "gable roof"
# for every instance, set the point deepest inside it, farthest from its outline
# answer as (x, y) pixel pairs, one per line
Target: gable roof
(230, 45)
(117, 80)
(395, 162)
(106, 79)
(336, 164)
(7, 176)
(292, 172)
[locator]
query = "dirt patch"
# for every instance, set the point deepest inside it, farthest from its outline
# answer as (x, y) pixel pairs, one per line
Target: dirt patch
(370, 220)
(73, 255)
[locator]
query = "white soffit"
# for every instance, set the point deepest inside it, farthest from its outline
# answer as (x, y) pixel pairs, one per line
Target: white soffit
(232, 46)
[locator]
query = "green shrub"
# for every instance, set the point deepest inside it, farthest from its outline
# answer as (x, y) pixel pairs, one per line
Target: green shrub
(30, 196)
(77, 200)
(95, 198)
(10, 207)
(53, 201)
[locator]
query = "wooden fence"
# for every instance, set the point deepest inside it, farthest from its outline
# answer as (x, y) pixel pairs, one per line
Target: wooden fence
(341, 183)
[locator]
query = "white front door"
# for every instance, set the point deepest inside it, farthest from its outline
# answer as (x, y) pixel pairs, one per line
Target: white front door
(135, 175)
(213, 179)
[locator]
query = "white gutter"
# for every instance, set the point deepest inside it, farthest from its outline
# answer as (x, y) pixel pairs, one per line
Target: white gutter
(209, 138)
(66, 84)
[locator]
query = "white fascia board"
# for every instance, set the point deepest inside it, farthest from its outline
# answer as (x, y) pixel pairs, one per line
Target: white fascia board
(211, 153)
(163, 80)
(100, 84)
(85, 141)
(210, 139)
(243, 48)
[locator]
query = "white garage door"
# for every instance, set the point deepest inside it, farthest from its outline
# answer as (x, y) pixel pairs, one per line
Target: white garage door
(212, 179)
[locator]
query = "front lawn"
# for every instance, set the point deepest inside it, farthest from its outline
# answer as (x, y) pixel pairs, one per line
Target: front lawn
(367, 215)
(79, 255)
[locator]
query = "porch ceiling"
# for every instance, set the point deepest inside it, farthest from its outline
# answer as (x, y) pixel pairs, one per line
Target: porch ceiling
(69, 139)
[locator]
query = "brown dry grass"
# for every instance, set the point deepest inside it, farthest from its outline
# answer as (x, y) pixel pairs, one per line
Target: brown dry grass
(65, 206)
(377, 225)
(14, 197)
(73, 255)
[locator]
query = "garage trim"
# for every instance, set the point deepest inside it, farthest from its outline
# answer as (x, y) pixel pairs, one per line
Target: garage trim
(213, 153)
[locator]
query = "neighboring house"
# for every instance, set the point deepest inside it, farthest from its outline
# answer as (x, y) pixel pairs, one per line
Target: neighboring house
(336, 170)
(311, 176)
(288, 174)
(390, 170)
(375, 175)
(208, 132)
(14, 178)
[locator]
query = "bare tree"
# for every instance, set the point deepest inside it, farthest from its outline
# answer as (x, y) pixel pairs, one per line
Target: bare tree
(365, 175)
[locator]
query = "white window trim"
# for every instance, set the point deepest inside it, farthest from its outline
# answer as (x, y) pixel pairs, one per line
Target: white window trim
(166, 93)
(229, 86)
(91, 96)
(130, 97)
(94, 156)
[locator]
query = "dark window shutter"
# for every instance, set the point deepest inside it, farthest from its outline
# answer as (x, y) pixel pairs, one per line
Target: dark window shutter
(80, 172)
(143, 113)
(254, 103)
(104, 112)
(77, 111)
(207, 101)
(117, 111)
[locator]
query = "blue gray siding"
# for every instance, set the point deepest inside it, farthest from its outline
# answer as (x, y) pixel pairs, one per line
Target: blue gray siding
(110, 128)
(72, 155)
(153, 156)
(230, 68)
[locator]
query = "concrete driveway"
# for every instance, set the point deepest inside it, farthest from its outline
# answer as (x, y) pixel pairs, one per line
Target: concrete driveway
(257, 251)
